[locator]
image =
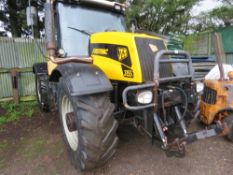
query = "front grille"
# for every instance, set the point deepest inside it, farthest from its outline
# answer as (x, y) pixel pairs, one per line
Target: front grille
(146, 56)
(209, 95)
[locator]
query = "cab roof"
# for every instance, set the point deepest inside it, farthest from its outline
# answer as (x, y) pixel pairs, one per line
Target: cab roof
(116, 6)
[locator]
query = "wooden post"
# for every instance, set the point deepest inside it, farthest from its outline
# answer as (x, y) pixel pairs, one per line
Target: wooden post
(15, 91)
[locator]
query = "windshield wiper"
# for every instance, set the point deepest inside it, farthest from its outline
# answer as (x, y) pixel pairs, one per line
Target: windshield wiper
(81, 31)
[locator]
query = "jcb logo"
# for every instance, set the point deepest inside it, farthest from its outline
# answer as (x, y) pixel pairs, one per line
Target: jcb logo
(122, 53)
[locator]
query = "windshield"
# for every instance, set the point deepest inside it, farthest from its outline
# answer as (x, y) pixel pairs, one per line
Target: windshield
(76, 22)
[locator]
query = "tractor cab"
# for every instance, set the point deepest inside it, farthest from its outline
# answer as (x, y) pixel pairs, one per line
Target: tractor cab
(76, 22)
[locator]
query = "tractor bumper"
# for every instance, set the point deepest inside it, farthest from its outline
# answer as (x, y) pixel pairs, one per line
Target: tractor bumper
(154, 84)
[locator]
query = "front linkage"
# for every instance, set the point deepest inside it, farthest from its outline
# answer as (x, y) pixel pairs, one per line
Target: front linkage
(177, 146)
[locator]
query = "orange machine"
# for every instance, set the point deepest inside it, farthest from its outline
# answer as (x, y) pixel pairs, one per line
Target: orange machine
(217, 99)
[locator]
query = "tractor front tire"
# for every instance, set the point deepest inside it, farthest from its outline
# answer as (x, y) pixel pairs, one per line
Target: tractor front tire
(42, 92)
(91, 139)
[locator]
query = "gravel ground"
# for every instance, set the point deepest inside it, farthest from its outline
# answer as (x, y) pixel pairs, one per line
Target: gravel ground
(35, 147)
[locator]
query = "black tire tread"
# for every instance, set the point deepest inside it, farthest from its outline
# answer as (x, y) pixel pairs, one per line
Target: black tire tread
(44, 103)
(100, 124)
(229, 121)
(96, 128)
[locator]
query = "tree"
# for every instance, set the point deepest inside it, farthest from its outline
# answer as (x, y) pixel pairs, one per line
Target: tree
(219, 17)
(226, 2)
(3, 18)
(223, 14)
(13, 16)
(162, 16)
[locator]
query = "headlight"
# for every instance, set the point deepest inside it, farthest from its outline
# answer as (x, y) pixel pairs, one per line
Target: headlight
(200, 87)
(145, 97)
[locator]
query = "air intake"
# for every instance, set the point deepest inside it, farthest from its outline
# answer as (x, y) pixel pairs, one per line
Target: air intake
(147, 49)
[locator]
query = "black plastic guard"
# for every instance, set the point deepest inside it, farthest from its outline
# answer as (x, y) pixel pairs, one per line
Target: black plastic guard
(82, 79)
(40, 68)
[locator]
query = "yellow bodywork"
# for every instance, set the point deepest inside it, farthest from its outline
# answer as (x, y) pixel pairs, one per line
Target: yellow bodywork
(224, 100)
(51, 67)
(126, 49)
(112, 68)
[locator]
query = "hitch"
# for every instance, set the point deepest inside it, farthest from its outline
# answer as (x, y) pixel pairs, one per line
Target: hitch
(177, 147)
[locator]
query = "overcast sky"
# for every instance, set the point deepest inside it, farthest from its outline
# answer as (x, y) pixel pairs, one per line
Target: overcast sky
(204, 6)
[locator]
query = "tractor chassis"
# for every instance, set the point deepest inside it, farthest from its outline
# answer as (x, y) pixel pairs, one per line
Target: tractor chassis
(177, 146)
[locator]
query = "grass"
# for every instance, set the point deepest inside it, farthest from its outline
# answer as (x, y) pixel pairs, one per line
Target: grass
(13, 111)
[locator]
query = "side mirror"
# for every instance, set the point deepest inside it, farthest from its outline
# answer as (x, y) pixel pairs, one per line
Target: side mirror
(31, 16)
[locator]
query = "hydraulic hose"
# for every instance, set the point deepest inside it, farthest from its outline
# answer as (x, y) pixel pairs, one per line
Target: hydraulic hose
(185, 99)
(163, 108)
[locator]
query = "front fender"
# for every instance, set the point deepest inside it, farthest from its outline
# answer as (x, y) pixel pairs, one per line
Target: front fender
(82, 79)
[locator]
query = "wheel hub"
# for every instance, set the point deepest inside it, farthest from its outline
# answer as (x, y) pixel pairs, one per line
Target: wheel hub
(70, 121)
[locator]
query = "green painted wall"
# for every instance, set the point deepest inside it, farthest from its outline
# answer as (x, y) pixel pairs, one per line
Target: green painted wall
(227, 37)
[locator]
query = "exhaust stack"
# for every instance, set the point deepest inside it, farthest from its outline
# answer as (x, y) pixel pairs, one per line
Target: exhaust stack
(220, 55)
(49, 28)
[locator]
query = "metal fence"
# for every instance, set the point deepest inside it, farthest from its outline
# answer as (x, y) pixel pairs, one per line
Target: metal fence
(227, 37)
(229, 58)
(199, 44)
(20, 54)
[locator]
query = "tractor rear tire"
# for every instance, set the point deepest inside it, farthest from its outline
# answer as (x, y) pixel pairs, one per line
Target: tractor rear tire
(42, 92)
(93, 141)
(229, 121)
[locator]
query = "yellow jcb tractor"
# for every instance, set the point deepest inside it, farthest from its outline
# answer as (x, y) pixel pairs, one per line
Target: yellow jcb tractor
(217, 98)
(99, 73)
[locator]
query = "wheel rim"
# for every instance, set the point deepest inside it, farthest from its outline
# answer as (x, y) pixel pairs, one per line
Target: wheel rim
(38, 89)
(72, 137)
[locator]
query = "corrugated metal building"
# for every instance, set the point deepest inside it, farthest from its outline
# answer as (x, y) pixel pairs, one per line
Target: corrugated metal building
(22, 54)
(227, 39)
(201, 45)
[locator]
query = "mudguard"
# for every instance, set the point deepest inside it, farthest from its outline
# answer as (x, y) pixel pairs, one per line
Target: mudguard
(82, 79)
(40, 68)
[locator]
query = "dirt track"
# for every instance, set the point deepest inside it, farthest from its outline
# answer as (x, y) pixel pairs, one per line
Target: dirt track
(35, 147)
